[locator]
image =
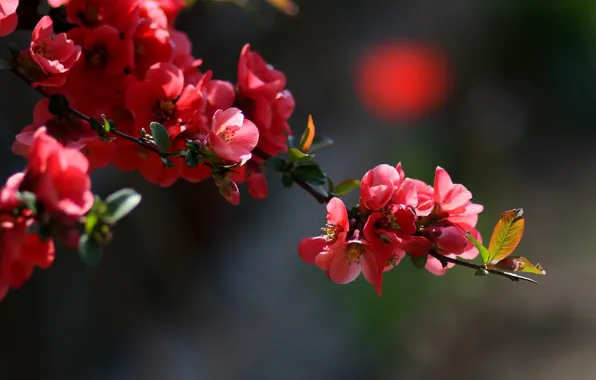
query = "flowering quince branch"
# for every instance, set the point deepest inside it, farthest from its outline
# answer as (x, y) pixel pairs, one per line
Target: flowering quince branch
(171, 121)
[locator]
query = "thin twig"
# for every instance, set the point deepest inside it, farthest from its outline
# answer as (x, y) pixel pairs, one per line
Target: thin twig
(317, 195)
(86, 118)
(467, 264)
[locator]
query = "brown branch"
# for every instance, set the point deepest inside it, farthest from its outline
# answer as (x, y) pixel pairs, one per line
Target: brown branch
(86, 118)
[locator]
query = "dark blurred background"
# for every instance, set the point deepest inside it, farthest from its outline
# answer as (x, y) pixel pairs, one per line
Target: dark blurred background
(193, 288)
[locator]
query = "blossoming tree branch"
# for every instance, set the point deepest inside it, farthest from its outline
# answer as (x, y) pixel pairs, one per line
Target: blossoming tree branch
(120, 87)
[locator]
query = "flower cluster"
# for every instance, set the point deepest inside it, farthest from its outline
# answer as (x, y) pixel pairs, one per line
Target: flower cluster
(44, 201)
(396, 216)
(169, 120)
(124, 59)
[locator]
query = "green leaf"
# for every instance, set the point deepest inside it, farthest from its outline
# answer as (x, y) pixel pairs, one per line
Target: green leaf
(160, 136)
(120, 204)
(287, 180)
(346, 186)
(311, 174)
(484, 254)
(192, 145)
(320, 142)
(518, 264)
(190, 158)
(167, 162)
(419, 261)
(93, 216)
(278, 164)
(295, 155)
(330, 185)
(308, 135)
(89, 250)
(506, 235)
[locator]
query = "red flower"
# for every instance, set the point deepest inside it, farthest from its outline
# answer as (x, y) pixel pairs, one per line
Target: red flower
(8, 16)
(58, 177)
(70, 131)
(257, 184)
(256, 78)
(162, 97)
(171, 8)
(151, 10)
(152, 45)
(98, 80)
(54, 56)
(119, 14)
(20, 253)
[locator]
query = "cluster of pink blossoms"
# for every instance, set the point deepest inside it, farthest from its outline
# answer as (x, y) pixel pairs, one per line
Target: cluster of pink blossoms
(124, 59)
(396, 216)
(50, 195)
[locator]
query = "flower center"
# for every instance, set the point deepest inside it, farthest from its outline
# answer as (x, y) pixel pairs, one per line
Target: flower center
(228, 135)
(353, 252)
(164, 110)
(97, 56)
(41, 49)
(331, 231)
(388, 221)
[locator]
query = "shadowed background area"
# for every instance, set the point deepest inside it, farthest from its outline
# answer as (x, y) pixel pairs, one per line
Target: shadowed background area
(500, 93)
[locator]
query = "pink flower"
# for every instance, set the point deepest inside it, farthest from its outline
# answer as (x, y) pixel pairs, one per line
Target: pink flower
(448, 214)
(454, 203)
(343, 259)
(58, 177)
(8, 16)
(232, 136)
(256, 77)
(54, 56)
(377, 187)
(447, 237)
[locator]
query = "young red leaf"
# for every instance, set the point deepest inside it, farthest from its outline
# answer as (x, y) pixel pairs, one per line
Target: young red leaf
(308, 135)
(518, 264)
(506, 235)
